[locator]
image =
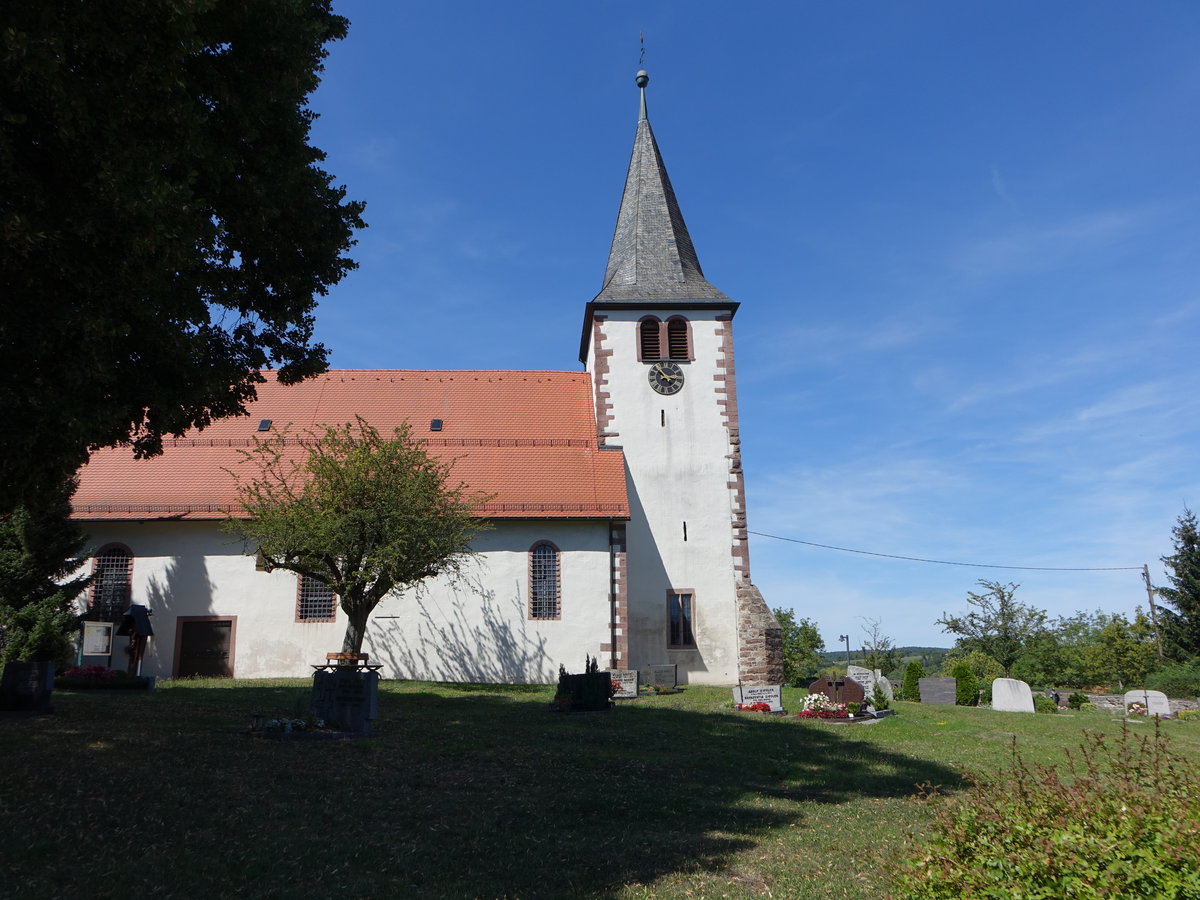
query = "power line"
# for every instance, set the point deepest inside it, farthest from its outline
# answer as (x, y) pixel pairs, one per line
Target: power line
(942, 562)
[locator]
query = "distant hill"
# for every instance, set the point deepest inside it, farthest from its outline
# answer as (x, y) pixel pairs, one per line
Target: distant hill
(929, 657)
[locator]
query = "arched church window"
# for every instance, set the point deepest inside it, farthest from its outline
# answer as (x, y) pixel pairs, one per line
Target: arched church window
(545, 600)
(112, 583)
(679, 344)
(650, 339)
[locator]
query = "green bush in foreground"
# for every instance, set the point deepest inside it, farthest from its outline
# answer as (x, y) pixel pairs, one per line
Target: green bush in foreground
(911, 688)
(966, 687)
(1122, 821)
(1044, 704)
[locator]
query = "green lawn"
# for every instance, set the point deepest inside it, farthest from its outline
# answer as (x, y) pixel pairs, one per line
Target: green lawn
(480, 791)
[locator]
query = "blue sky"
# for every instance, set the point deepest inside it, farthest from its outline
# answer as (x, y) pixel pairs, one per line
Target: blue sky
(964, 236)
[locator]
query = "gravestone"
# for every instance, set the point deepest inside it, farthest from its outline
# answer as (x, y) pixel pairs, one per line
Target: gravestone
(868, 678)
(346, 697)
(771, 694)
(665, 675)
(1011, 695)
(839, 690)
(27, 686)
(938, 691)
(1156, 702)
(627, 679)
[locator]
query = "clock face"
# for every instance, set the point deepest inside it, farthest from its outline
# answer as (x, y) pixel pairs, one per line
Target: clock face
(666, 377)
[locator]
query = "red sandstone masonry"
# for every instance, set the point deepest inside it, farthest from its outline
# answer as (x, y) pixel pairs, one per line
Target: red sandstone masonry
(600, 369)
(727, 385)
(618, 647)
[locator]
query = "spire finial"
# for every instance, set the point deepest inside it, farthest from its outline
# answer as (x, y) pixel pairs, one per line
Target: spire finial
(643, 78)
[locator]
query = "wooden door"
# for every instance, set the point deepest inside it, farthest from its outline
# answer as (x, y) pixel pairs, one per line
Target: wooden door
(205, 648)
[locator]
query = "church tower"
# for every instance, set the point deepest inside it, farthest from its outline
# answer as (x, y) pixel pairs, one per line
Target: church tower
(658, 343)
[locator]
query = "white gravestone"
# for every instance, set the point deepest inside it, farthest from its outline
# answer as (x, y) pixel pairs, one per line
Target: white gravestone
(1156, 702)
(627, 679)
(771, 694)
(1011, 695)
(868, 678)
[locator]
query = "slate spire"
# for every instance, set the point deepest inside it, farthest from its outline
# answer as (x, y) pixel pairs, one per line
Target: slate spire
(652, 257)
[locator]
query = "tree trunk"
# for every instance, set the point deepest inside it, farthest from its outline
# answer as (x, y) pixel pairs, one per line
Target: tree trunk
(356, 630)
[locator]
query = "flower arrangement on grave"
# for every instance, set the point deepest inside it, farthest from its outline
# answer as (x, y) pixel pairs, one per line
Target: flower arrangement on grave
(81, 678)
(98, 673)
(754, 707)
(819, 706)
(1136, 709)
(287, 725)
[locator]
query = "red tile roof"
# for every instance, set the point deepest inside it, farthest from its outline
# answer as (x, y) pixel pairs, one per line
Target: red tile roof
(527, 437)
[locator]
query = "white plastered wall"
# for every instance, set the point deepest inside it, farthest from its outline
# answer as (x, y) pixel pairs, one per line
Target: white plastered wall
(474, 630)
(677, 454)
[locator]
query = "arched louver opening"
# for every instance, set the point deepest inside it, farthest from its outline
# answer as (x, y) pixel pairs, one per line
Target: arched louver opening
(678, 345)
(650, 345)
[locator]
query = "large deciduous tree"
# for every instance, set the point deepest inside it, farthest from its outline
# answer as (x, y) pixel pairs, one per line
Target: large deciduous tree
(165, 225)
(802, 644)
(1181, 620)
(363, 513)
(1000, 625)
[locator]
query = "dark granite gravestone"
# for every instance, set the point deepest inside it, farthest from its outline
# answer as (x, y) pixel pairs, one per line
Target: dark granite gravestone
(27, 686)
(667, 676)
(939, 691)
(839, 690)
(346, 697)
(627, 681)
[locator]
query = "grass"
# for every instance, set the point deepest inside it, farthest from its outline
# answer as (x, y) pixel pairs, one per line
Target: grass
(479, 791)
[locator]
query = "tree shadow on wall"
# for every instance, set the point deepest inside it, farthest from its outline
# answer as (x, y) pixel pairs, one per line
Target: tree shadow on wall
(490, 645)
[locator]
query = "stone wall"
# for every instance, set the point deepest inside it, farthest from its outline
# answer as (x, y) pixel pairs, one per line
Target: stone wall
(760, 639)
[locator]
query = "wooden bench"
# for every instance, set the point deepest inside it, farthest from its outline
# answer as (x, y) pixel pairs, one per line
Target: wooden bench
(353, 660)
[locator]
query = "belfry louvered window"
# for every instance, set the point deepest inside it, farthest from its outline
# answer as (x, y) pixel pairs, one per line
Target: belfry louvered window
(545, 601)
(650, 339)
(678, 345)
(315, 601)
(112, 584)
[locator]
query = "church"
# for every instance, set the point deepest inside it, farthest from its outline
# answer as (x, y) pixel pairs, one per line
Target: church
(617, 511)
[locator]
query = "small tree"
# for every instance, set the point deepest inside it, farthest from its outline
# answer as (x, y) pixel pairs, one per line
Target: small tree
(39, 548)
(1181, 621)
(362, 513)
(1000, 626)
(966, 685)
(801, 645)
(911, 688)
(878, 650)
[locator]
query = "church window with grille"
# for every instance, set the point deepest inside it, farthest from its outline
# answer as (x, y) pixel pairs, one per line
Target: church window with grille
(112, 584)
(681, 618)
(315, 601)
(545, 598)
(679, 345)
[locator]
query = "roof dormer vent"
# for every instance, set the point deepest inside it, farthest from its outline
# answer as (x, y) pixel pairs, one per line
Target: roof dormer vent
(264, 425)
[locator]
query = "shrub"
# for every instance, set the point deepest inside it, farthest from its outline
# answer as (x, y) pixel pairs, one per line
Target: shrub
(1179, 681)
(1078, 701)
(1044, 704)
(966, 687)
(1123, 820)
(911, 687)
(879, 697)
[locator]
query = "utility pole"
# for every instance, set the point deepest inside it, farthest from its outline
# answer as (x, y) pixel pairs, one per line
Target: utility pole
(1153, 608)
